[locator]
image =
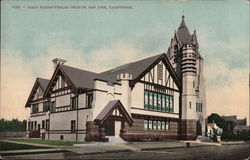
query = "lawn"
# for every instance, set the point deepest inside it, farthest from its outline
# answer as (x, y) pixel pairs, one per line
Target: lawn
(47, 142)
(4, 146)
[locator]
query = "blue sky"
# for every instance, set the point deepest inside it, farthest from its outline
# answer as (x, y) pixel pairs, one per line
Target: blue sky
(97, 39)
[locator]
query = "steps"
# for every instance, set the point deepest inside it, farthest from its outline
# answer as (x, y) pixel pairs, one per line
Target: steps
(115, 139)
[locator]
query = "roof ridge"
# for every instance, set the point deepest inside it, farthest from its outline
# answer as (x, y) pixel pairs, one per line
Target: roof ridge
(42, 78)
(132, 63)
(77, 68)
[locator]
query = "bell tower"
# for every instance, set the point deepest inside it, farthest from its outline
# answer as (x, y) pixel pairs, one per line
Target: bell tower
(188, 64)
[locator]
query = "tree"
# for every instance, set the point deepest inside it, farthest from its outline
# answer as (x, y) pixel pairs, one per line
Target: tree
(216, 118)
(13, 125)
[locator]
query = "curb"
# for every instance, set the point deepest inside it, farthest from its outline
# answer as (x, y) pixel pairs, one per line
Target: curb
(35, 152)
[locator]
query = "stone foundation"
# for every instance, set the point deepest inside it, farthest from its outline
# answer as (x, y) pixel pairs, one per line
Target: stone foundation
(137, 132)
(188, 130)
(94, 132)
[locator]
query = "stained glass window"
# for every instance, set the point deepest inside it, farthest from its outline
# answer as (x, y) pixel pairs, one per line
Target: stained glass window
(159, 101)
(155, 125)
(145, 124)
(150, 126)
(155, 101)
(146, 105)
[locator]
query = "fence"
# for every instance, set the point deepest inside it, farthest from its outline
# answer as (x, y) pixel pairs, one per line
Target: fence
(5, 135)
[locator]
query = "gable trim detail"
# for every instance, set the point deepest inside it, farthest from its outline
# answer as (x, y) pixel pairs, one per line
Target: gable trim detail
(50, 85)
(35, 86)
(108, 110)
(168, 66)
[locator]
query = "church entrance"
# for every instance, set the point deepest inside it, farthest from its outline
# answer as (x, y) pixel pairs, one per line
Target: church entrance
(112, 127)
(109, 127)
(198, 128)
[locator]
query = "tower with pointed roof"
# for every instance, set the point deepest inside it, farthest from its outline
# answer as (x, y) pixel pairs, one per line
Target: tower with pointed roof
(185, 58)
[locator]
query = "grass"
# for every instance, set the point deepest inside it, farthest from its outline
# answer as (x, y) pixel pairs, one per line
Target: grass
(47, 142)
(5, 146)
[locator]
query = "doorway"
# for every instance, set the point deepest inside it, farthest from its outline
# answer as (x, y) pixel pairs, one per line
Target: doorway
(198, 128)
(109, 127)
(112, 128)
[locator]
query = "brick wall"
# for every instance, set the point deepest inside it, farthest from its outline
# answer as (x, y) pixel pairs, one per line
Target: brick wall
(137, 132)
(188, 129)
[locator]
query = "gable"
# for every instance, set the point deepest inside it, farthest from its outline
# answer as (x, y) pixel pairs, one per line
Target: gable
(37, 91)
(160, 75)
(59, 81)
(151, 74)
(114, 109)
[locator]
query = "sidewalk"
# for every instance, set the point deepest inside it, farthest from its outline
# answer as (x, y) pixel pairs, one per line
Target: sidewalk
(99, 147)
(96, 148)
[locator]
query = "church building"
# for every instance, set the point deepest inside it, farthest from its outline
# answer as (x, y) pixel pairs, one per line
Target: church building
(161, 97)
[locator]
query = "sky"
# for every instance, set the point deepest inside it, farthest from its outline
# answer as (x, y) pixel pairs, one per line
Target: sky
(99, 39)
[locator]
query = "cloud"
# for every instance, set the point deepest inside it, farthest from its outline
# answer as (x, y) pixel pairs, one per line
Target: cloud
(230, 95)
(227, 82)
(18, 74)
(226, 73)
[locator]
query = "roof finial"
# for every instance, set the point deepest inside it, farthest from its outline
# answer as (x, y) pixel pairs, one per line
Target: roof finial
(183, 15)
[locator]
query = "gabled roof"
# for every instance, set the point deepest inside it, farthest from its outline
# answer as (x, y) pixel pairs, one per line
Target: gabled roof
(43, 83)
(108, 110)
(78, 78)
(138, 69)
(40, 82)
(134, 68)
(82, 79)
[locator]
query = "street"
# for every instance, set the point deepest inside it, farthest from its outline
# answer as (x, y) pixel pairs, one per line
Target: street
(227, 152)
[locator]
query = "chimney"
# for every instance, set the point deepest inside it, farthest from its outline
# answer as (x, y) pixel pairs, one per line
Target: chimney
(57, 61)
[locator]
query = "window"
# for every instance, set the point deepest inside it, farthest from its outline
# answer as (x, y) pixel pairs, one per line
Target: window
(63, 82)
(167, 125)
(46, 106)
(158, 102)
(52, 106)
(89, 100)
(151, 106)
(28, 126)
(198, 107)
(163, 97)
(156, 125)
(73, 126)
(61, 137)
(159, 125)
(163, 126)
(150, 124)
(145, 124)
(155, 101)
(167, 103)
(74, 102)
(31, 126)
(47, 124)
(159, 71)
(171, 104)
(146, 100)
(43, 124)
(35, 126)
(190, 105)
(35, 108)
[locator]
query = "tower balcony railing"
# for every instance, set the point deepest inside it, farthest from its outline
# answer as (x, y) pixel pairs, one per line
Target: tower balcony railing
(188, 59)
(188, 66)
